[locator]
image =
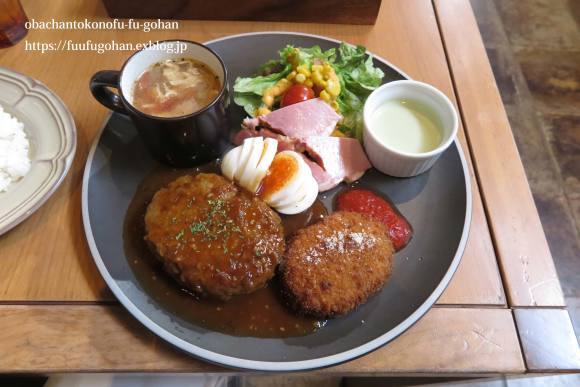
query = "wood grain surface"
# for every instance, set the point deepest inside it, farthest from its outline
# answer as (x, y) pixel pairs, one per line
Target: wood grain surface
(51, 244)
(548, 340)
(521, 246)
(98, 338)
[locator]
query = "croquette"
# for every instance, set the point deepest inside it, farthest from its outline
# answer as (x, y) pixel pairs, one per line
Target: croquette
(213, 237)
(335, 265)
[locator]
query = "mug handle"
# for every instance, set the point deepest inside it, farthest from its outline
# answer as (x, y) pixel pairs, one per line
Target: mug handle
(100, 84)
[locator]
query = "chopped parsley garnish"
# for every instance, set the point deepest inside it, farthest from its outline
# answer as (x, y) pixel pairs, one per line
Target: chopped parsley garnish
(216, 223)
(198, 227)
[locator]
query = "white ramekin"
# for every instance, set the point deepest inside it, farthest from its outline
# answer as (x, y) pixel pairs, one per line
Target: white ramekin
(404, 164)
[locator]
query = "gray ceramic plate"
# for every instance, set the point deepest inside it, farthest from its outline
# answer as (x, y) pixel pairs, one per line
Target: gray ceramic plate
(52, 135)
(437, 203)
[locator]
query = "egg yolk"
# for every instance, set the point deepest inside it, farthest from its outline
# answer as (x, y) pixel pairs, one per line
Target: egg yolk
(283, 168)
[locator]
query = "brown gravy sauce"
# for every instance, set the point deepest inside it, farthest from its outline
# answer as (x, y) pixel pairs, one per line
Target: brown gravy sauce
(260, 314)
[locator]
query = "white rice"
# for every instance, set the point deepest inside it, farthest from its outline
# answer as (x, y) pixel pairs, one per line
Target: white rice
(14, 161)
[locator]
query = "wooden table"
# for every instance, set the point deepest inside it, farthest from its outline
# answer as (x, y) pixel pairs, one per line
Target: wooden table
(502, 313)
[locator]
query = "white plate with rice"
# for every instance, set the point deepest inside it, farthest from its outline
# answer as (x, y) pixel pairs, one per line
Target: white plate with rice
(37, 146)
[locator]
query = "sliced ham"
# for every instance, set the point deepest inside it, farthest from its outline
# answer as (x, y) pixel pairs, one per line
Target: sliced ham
(304, 119)
(324, 179)
(305, 127)
(313, 117)
(340, 157)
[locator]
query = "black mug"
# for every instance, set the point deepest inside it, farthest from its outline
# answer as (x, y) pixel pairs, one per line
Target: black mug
(183, 141)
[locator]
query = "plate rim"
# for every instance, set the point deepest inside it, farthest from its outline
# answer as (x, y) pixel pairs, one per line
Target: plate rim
(258, 365)
(67, 158)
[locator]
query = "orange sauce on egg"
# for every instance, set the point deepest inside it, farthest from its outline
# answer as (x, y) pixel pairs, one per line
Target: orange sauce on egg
(281, 171)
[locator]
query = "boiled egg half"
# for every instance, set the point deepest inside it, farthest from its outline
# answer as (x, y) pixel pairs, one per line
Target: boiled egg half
(284, 180)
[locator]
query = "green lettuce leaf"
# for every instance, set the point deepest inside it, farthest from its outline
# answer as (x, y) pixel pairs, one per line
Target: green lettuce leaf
(259, 83)
(351, 107)
(350, 55)
(250, 102)
(356, 72)
(248, 90)
(358, 78)
(307, 56)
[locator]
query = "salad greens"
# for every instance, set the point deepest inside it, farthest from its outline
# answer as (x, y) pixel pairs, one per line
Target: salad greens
(355, 70)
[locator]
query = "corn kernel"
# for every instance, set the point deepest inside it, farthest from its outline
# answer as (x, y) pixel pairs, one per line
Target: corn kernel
(318, 80)
(283, 84)
(325, 96)
(302, 69)
(293, 57)
(333, 88)
(316, 67)
(334, 105)
(300, 78)
(291, 75)
(279, 88)
(262, 111)
(309, 83)
(334, 77)
(268, 100)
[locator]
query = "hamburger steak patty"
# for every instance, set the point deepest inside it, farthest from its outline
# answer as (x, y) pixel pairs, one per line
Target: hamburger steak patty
(213, 237)
(335, 265)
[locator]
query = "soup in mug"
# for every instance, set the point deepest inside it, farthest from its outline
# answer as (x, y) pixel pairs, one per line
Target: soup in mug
(175, 87)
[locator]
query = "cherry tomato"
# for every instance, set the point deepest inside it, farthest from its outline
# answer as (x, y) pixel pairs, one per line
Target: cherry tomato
(295, 94)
